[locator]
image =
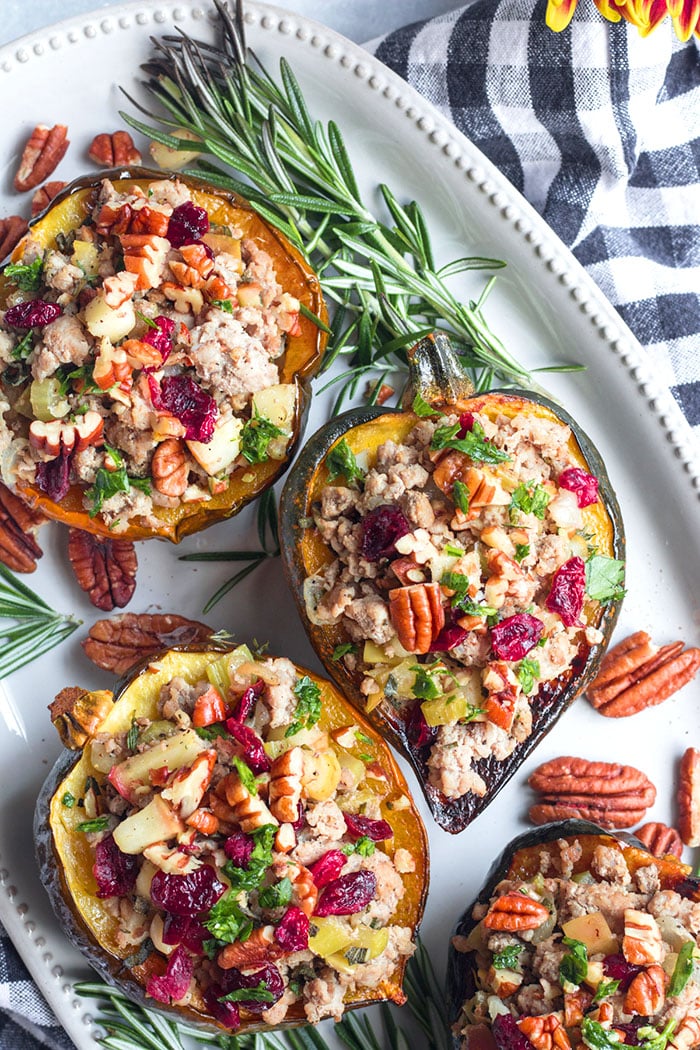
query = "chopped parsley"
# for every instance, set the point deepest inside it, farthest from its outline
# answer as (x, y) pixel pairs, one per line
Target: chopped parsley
(528, 671)
(598, 1038)
(521, 551)
(530, 498)
(459, 583)
(258, 994)
(24, 347)
(342, 650)
(683, 969)
(507, 958)
(68, 800)
(604, 578)
(26, 276)
(256, 436)
(211, 732)
(277, 896)
(341, 462)
(148, 321)
(245, 774)
(308, 709)
(260, 860)
(604, 989)
(421, 407)
(109, 482)
(223, 304)
(573, 968)
(97, 824)
(460, 496)
(474, 443)
(364, 847)
(425, 686)
(226, 922)
(454, 551)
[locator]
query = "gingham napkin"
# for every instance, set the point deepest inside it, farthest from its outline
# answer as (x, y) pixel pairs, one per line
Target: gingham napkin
(600, 130)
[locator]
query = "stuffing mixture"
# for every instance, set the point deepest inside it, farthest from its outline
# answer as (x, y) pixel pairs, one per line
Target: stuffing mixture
(464, 578)
(247, 848)
(599, 959)
(139, 357)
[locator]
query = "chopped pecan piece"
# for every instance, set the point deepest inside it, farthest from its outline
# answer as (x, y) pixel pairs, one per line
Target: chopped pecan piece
(609, 794)
(260, 947)
(660, 839)
(575, 1006)
(642, 943)
(636, 674)
(687, 1034)
(417, 614)
(45, 194)
(169, 468)
(515, 911)
(104, 568)
(285, 785)
(689, 797)
(545, 1032)
(19, 550)
(646, 993)
(42, 154)
(12, 230)
(112, 151)
(248, 810)
(117, 644)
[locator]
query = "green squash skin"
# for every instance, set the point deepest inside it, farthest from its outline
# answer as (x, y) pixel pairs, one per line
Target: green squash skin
(114, 970)
(548, 704)
(460, 977)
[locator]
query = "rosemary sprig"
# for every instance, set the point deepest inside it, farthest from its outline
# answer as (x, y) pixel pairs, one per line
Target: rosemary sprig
(129, 1026)
(269, 548)
(28, 626)
(298, 174)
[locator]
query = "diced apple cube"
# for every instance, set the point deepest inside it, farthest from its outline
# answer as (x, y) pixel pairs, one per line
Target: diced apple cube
(321, 774)
(593, 931)
(278, 404)
(156, 822)
(132, 779)
(188, 786)
(224, 447)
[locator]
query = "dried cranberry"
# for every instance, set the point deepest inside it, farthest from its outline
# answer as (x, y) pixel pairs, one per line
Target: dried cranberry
(247, 702)
(253, 750)
(161, 338)
(328, 867)
(585, 485)
(466, 424)
(181, 397)
(449, 637)
(238, 848)
(298, 824)
(226, 1014)
(33, 314)
(53, 477)
(187, 224)
(567, 592)
(178, 929)
(269, 976)
(348, 894)
(617, 968)
(363, 827)
(115, 872)
(631, 1029)
(189, 894)
(173, 984)
(507, 1034)
(514, 637)
(381, 528)
(418, 732)
(689, 888)
(292, 932)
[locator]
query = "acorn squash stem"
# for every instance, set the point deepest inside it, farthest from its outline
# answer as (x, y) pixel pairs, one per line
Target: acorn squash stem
(436, 373)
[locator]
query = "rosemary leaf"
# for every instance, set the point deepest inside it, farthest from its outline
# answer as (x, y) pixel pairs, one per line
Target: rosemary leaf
(36, 627)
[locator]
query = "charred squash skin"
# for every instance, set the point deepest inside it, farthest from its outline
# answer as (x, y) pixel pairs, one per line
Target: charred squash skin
(65, 858)
(521, 859)
(299, 363)
(437, 377)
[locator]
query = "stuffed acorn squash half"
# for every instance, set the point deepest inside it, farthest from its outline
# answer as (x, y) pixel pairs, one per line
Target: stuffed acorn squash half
(457, 567)
(232, 842)
(579, 938)
(156, 348)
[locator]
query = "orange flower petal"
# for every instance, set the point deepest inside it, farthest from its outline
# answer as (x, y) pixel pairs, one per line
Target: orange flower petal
(559, 14)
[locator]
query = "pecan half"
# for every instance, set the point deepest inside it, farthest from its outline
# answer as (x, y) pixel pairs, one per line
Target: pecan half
(259, 948)
(689, 797)
(417, 615)
(636, 674)
(660, 839)
(44, 150)
(609, 794)
(646, 993)
(546, 1032)
(117, 644)
(18, 523)
(12, 230)
(45, 194)
(169, 468)
(104, 568)
(112, 151)
(515, 911)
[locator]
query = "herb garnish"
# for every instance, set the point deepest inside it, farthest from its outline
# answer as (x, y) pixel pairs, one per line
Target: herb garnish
(28, 626)
(133, 735)
(342, 650)
(573, 968)
(530, 498)
(258, 994)
(26, 276)
(260, 860)
(460, 496)
(459, 583)
(474, 444)
(604, 578)
(507, 958)
(308, 709)
(109, 482)
(527, 672)
(604, 989)
(421, 407)
(276, 896)
(226, 922)
(96, 824)
(341, 462)
(364, 847)
(683, 969)
(24, 347)
(256, 436)
(245, 774)
(223, 304)
(68, 800)
(521, 551)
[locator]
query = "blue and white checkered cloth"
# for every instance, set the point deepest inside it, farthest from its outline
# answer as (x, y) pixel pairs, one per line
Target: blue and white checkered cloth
(600, 130)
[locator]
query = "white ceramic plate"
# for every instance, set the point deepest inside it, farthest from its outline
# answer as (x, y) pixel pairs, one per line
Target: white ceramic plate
(545, 308)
